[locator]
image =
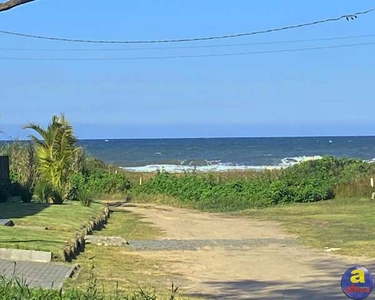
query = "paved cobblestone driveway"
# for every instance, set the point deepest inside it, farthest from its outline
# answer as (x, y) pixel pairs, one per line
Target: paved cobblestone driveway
(45, 275)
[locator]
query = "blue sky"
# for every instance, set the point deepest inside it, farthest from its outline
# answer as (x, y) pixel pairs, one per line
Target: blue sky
(325, 92)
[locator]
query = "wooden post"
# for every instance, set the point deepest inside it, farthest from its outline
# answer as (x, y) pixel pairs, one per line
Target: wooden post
(140, 180)
(372, 187)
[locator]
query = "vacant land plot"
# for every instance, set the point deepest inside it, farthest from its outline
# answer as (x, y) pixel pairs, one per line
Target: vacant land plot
(215, 256)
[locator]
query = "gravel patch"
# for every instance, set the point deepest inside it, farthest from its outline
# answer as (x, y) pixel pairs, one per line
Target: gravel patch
(193, 245)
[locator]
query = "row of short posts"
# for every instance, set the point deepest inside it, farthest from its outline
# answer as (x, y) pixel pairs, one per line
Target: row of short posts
(77, 243)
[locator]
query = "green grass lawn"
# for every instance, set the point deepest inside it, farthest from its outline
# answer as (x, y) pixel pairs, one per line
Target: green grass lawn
(129, 226)
(348, 224)
(61, 220)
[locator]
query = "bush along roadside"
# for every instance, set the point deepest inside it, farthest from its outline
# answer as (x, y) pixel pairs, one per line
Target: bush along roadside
(306, 182)
(98, 182)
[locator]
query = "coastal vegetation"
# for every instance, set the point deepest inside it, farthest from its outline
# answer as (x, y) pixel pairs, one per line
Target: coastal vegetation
(51, 168)
(310, 181)
(324, 197)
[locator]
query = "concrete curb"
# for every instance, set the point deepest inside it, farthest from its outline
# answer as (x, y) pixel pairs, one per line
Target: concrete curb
(74, 270)
(25, 255)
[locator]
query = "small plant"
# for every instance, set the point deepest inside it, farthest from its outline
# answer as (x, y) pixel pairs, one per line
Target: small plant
(84, 196)
(43, 191)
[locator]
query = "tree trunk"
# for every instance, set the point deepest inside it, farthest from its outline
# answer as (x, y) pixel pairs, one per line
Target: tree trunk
(12, 3)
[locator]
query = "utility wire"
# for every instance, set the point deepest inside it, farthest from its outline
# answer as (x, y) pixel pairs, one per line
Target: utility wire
(236, 35)
(190, 47)
(187, 56)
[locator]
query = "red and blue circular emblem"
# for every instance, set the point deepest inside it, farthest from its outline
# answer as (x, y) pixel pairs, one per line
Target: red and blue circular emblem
(357, 283)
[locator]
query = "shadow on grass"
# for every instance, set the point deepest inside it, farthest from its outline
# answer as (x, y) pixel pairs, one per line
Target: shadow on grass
(29, 241)
(19, 210)
(325, 285)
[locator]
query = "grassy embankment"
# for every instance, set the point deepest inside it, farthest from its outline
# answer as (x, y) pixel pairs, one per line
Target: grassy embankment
(61, 221)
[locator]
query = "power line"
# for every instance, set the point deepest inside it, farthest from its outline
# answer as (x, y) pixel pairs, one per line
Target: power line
(187, 56)
(191, 47)
(227, 36)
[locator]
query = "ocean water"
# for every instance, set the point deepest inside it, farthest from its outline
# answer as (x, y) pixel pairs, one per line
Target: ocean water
(221, 154)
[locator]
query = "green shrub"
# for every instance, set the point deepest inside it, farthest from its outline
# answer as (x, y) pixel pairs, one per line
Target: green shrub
(91, 163)
(280, 192)
(98, 182)
(77, 181)
(43, 191)
(306, 182)
(83, 195)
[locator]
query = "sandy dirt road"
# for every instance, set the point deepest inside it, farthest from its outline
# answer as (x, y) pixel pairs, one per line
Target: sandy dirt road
(216, 256)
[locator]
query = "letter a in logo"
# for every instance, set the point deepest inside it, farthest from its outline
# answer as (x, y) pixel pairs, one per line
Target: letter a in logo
(358, 276)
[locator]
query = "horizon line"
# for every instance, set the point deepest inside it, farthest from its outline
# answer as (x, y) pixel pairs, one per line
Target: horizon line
(202, 138)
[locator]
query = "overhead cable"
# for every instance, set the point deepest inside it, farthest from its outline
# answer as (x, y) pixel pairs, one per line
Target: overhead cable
(194, 39)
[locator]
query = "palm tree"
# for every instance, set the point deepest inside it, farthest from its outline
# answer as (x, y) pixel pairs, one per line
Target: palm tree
(55, 152)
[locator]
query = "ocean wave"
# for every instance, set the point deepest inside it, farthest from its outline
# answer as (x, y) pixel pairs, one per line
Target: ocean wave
(218, 166)
(290, 161)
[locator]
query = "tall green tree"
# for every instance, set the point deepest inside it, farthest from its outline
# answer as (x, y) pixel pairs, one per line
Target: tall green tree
(55, 150)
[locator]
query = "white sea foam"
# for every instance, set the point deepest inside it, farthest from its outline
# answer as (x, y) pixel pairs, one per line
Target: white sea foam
(218, 166)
